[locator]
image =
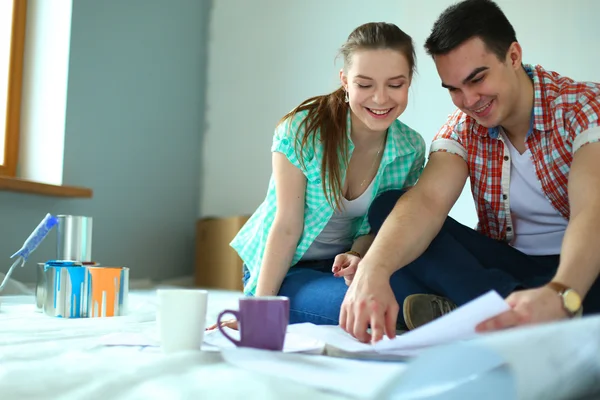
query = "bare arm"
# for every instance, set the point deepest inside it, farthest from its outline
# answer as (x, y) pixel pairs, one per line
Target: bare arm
(404, 235)
(580, 260)
(419, 214)
(362, 244)
(290, 186)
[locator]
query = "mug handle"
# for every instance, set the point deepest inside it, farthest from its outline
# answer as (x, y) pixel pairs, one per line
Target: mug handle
(236, 314)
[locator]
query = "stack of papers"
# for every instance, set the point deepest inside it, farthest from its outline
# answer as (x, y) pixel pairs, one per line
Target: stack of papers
(456, 326)
(332, 340)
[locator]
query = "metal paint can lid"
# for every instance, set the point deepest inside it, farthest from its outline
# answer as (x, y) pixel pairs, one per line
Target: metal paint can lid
(62, 263)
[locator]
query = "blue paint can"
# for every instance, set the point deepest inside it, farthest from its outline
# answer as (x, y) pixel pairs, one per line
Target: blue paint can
(66, 289)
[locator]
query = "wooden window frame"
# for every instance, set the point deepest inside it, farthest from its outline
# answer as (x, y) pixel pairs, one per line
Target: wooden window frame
(8, 171)
(15, 87)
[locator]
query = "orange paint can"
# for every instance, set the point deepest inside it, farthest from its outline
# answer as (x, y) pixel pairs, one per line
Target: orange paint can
(108, 291)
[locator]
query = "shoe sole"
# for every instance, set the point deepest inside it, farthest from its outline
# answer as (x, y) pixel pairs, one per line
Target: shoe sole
(406, 313)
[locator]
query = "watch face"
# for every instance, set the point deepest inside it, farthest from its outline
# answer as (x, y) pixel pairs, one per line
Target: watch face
(572, 301)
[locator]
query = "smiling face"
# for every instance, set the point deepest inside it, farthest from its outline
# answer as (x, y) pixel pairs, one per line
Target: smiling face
(377, 83)
(480, 84)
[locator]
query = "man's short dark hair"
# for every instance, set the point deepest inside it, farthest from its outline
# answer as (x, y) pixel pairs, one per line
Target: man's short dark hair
(468, 19)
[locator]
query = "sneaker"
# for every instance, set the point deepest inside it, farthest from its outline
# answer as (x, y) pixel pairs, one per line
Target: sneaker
(420, 309)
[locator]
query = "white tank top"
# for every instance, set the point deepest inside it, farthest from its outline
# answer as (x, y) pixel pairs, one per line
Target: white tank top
(539, 228)
(338, 235)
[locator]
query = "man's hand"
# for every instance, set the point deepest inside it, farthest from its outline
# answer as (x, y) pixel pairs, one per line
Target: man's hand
(370, 301)
(527, 307)
(345, 265)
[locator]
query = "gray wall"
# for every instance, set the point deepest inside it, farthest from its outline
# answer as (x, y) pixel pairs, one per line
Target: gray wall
(267, 56)
(134, 124)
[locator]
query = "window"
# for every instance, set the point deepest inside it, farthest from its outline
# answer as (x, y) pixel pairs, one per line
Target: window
(12, 40)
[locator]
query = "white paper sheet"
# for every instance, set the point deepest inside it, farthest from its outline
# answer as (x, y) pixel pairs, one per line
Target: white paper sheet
(456, 371)
(332, 335)
(213, 341)
(559, 360)
(458, 325)
(294, 342)
(357, 379)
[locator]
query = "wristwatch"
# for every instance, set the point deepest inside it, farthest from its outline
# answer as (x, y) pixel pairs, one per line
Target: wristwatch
(571, 300)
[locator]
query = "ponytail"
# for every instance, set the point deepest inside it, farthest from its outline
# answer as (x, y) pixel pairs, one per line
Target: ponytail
(326, 121)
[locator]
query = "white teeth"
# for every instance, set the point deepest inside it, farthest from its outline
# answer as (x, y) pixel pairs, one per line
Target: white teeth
(380, 112)
(482, 109)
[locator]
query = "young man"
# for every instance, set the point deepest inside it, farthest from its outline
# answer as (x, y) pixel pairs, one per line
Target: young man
(528, 140)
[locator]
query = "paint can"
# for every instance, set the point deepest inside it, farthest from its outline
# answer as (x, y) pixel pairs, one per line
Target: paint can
(74, 239)
(77, 290)
(108, 291)
(41, 285)
(65, 289)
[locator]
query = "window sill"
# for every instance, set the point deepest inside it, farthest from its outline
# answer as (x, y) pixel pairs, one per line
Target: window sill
(43, 189)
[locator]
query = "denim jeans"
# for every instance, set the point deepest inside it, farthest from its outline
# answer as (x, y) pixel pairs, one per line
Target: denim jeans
(459, 264)
(315, 294)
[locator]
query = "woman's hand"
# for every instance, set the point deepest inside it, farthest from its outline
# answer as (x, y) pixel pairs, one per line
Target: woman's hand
(345, 265)
(231, 323)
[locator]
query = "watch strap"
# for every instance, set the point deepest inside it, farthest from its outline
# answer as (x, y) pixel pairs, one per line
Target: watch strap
(558, 287)
(354, 253)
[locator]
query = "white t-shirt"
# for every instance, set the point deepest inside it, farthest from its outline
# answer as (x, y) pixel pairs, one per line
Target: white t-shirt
(539, 228)
(338, 235)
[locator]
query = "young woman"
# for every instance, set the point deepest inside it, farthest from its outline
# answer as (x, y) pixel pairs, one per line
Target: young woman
(332, 156)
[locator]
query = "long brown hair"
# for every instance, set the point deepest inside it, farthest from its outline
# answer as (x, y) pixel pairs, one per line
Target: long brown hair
(326, 119)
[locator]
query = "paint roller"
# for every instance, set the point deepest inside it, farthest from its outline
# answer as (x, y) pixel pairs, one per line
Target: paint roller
(32, 242)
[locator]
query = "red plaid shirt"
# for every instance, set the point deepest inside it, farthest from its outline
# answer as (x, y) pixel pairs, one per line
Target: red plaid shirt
(565, 117)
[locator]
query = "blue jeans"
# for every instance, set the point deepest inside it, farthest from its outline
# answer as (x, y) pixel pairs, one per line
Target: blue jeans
(315, 294)
(459, 264)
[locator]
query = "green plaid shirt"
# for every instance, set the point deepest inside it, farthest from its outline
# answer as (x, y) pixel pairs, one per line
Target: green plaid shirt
(401, 165)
